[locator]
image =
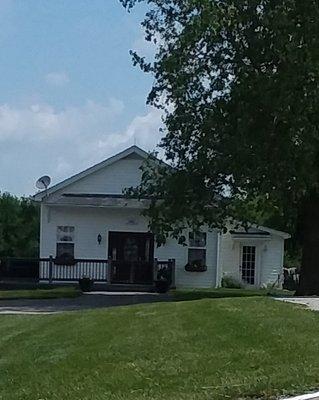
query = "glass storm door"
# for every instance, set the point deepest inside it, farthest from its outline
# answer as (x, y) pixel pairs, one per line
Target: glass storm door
(248, 266)
(132, 255)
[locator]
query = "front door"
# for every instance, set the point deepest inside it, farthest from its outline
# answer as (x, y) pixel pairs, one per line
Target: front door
(132, 255)
(248, 266)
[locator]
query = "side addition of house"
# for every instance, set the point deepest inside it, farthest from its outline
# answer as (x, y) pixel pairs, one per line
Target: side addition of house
(89, 228)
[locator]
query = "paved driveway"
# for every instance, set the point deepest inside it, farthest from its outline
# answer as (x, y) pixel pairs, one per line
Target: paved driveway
(86, 301)
(310, 302)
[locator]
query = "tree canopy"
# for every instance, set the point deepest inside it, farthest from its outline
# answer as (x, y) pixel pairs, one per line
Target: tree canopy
(238, 83)
(19, 227)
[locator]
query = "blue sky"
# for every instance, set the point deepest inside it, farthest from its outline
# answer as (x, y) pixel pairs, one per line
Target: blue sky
(69, 94)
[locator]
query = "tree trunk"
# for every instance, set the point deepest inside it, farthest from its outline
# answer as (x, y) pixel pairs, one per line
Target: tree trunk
(309, 277)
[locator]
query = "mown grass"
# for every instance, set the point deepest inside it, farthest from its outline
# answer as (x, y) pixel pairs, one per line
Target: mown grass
(197, 294)
(60, 292)
(233, 348)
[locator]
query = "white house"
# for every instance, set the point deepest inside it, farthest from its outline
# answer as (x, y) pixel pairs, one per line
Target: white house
(89, 228)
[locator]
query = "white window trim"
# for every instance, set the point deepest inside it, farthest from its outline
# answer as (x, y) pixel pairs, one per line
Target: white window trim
(197, 247)
(257, 262)
(65, 241)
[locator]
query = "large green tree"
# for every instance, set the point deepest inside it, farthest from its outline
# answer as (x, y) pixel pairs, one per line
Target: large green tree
(19, 227)
(239, 85)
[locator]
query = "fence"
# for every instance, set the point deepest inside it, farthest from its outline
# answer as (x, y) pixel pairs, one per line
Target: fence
(291, 278)
(165, 269)
(19, 268)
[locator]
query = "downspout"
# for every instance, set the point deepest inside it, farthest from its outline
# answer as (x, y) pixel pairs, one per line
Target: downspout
(218, 266)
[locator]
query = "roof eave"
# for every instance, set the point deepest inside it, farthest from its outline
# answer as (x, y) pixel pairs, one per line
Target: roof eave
(275, 232)
(133, 149)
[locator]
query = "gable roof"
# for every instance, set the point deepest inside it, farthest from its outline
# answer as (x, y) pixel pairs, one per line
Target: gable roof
(123, 154)
(282, 234)
(119, 156)
(261, 231)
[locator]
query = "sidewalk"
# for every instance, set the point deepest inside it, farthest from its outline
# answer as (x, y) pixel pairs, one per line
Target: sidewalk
(311, 396)
(310, 302)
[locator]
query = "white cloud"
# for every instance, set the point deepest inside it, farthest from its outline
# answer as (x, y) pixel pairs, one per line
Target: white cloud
(143, 130)
(43, 122)
(57, 78)
(40, 139)
(145, 48)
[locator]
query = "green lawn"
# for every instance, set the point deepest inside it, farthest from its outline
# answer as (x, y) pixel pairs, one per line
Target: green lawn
(231, 348)
(178, 295)
(64, 291)
(196, 294)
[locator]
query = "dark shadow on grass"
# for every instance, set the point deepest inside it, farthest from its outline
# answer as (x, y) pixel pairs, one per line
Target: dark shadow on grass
(188, 295)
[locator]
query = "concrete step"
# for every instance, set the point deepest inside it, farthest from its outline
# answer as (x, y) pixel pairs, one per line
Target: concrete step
(123, 287)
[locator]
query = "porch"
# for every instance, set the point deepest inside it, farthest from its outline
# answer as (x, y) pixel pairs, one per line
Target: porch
(120, 275)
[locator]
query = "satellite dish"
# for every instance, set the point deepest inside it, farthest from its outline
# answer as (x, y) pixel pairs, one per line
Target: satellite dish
(43, 182)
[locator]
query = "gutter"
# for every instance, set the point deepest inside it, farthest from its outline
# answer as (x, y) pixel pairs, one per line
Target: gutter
(217, 277)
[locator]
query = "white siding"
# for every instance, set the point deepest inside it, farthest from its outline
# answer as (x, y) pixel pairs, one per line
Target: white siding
(191, 279)
(109, 180)
(272, 260)
(90, 222)
(269, 257)
(229, 257)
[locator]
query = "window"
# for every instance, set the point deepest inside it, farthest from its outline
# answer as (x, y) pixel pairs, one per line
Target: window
(197, 249)
(65, 242)
(65, 234)
(197, 239)
(65, 250)
(248, 264)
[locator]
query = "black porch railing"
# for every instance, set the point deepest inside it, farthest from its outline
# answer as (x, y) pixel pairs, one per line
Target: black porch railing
(166, 268)
(51, 269)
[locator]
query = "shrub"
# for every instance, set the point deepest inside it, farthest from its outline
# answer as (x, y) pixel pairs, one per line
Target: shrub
(231, 283)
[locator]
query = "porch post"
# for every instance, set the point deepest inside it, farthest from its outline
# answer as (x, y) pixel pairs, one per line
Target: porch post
(219, 272)
(132, 272)
(109, 270)
(50, 268)
(155, 269)
(172, 262)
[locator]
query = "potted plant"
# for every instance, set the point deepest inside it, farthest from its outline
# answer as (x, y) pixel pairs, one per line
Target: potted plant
(86, 284)
(163, 282)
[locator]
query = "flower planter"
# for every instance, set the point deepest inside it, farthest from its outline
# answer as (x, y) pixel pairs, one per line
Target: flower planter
(162, 285)
(194, 268)
(64, 261)
(86, 284)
